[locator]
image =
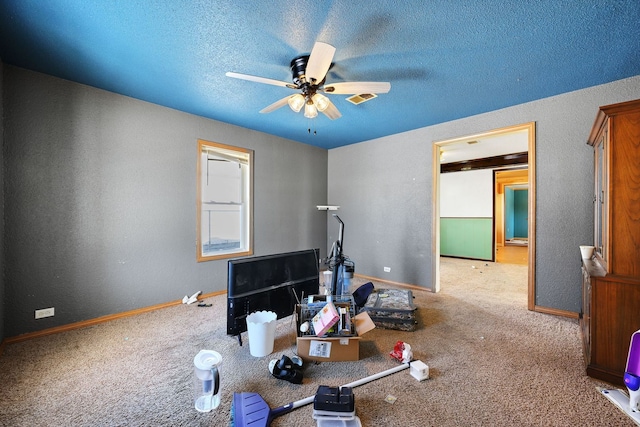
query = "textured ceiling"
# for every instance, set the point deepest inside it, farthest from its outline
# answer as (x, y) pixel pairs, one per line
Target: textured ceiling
(445, 59)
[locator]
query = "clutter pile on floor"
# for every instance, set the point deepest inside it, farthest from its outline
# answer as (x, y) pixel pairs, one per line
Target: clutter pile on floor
(327, 317)
(331, 404)
(328, 327)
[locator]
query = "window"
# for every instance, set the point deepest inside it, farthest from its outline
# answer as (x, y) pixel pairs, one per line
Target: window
(225, 196)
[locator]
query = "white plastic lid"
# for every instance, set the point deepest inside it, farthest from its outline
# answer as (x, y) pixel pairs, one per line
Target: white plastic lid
(207, 359)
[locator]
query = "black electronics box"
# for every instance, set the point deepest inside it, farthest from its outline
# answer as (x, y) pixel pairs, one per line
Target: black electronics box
(334, 399)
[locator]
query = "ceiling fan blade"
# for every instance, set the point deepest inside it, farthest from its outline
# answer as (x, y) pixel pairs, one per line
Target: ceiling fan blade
(260, 80)
(279, 103)
(332, 112)
(354, 88)
(319, 62)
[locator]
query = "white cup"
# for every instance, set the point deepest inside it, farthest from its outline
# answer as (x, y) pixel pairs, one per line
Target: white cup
(587, 251)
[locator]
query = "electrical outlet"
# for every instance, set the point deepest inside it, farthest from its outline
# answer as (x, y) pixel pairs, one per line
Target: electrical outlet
(387, 269)
(45, 312)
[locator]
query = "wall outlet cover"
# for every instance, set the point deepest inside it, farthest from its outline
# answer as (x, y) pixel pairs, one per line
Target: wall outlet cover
(45, 312)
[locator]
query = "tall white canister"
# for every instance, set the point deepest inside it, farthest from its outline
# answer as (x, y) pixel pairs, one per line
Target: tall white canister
(207, 380)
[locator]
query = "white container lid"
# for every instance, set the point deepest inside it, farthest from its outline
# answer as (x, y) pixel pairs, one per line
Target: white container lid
(207, 359)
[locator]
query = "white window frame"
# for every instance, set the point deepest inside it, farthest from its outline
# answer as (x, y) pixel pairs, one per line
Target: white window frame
(232, 201)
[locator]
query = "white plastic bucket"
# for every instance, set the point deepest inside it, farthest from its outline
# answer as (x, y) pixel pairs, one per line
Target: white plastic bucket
(261, 326)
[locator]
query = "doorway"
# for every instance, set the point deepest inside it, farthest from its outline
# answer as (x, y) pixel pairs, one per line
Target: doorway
(511, 215)
(440, 149)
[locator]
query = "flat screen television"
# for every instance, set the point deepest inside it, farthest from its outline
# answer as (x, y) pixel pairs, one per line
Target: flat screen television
(269, 282)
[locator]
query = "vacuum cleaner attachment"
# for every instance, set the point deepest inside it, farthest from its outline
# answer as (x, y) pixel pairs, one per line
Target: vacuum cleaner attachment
(334, 399)
(251, 410)
(620, 399)
(632, 373)
(287, 369)
(335, 406)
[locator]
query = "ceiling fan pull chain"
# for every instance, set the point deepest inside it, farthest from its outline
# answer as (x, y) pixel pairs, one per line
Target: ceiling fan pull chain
(311, 125)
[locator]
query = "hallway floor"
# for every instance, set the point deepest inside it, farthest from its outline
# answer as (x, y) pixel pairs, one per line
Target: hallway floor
(512, 254)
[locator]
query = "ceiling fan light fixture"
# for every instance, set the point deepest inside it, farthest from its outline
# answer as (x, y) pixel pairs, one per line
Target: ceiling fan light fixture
(321, 102)
(296, 102)
(309, 74)
(310, 110)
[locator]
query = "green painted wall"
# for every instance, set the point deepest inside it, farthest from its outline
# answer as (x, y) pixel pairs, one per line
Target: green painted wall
(466, 237)
(509, 228)
(521, 212)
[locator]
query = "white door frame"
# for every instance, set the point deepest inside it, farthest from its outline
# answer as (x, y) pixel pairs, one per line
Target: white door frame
(531, 138)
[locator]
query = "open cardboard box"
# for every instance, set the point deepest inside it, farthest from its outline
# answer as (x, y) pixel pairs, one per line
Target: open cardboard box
(332, 348)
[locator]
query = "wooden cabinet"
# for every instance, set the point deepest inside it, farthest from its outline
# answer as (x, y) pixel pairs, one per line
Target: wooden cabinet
(611, 279)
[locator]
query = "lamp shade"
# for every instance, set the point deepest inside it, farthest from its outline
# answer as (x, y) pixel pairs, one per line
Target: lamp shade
(296, 102)
(321, 102)
(310, 110)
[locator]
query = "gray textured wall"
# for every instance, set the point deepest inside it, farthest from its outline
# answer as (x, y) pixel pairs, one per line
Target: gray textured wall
(384, 189)
(100, 201)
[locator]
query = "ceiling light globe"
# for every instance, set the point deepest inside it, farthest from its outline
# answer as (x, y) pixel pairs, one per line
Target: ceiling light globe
(321, 101)
(296, 102)
(310, 110)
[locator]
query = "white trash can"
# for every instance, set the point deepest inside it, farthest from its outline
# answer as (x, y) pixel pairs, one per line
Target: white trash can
(261, 326)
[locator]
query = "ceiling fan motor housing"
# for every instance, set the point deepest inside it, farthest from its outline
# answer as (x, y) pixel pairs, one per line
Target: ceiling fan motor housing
(298, 70)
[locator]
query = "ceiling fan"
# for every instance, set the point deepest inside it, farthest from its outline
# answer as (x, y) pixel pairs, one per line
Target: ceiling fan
(309, 75)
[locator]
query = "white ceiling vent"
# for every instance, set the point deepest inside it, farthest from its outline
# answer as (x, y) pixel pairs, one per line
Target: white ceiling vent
(360, 98)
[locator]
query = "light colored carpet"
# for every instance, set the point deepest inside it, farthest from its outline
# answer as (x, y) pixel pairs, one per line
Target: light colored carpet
(492, 362)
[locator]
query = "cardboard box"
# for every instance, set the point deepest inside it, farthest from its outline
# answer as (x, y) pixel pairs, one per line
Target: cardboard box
(332, 348)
